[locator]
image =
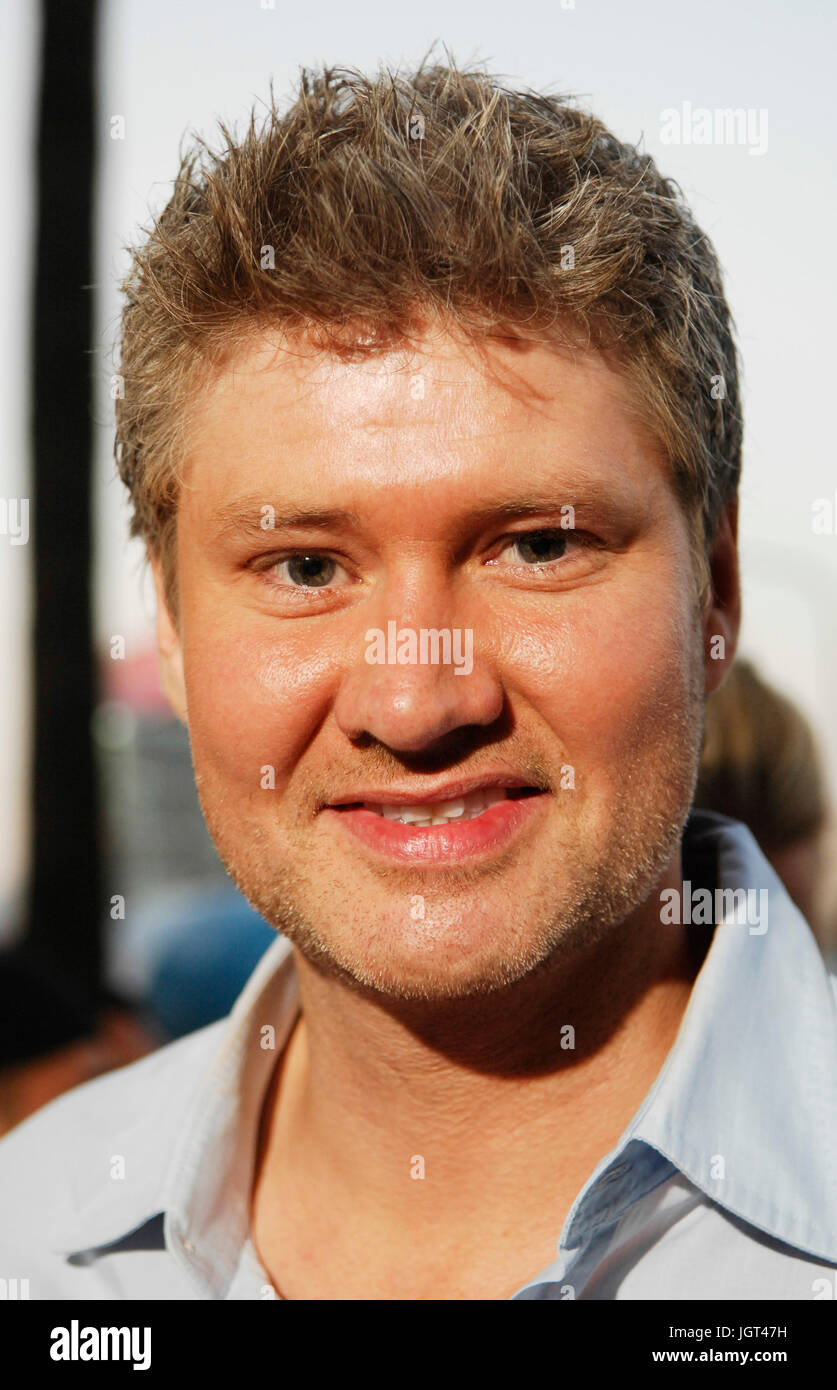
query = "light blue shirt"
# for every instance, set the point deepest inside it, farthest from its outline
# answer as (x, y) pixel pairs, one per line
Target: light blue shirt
(723, 1186)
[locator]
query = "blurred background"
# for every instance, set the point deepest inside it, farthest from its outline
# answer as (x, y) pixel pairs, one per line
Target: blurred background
(107, 874)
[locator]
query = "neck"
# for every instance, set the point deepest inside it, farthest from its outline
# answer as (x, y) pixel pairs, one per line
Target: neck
(528, 1087)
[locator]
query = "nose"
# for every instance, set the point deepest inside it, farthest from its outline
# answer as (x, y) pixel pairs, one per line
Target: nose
(411, 683)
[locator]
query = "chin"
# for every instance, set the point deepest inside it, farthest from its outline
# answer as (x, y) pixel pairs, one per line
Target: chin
(426, 959)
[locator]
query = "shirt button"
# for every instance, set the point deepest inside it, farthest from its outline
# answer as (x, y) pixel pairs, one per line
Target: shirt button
(187, 1245)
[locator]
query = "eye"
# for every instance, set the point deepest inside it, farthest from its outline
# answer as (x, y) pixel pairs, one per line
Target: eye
(540, 547)
(306, 570)
(550, 555)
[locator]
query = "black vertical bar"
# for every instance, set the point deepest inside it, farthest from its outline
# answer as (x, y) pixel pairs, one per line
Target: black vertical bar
(64, 910)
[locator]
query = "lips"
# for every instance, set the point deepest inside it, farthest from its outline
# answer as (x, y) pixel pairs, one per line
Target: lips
(461, 808)
(443, 828)
(427, 793)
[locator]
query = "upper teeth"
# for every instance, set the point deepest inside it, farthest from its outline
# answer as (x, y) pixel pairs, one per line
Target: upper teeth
(440, 812)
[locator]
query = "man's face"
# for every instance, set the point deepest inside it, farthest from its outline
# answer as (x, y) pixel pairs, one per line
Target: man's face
(508, 497)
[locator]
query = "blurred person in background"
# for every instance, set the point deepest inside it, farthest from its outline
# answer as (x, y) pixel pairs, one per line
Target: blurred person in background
(761, 765)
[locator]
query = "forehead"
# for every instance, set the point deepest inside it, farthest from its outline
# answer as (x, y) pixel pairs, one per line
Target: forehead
(437, 411)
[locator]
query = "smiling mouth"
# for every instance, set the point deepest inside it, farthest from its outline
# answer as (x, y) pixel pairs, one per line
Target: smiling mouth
(457, 810)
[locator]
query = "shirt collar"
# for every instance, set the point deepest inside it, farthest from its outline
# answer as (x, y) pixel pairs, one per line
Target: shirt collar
(745, 1104)
(206, 1193)
(749, 1081)
(190, 1151)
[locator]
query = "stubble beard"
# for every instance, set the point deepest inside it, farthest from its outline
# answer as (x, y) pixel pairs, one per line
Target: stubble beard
(604, 879)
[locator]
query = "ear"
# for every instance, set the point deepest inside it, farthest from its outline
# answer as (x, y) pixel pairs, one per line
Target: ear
(169, 650)
(722, 612)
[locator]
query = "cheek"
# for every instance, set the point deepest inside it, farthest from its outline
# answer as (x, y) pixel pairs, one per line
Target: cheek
(612, 674)
(252, 701)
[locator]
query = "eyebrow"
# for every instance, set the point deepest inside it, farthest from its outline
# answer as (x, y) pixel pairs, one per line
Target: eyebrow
(243, 517)
(586, 498)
